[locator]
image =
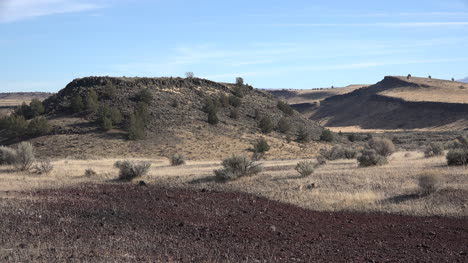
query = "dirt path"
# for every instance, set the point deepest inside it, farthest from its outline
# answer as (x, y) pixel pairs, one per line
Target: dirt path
(129, 223)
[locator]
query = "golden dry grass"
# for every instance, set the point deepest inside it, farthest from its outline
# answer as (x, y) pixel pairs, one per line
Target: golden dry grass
(339, 185)
(317, 95)
(436, 91)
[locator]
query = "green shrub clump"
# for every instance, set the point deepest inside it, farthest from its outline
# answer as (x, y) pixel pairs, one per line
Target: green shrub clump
(285, 108)
(429, 183)
(457, 157)
(339, 152)
(260, 147)
(177, 159)
(129, 170)
(39, 126)
(371, 158)
(25, 156)
(7, 155)
(382, 146)
(284, 125)
(266, 125)
(326, 136)
(305, 168)
(237, 166)
(303, 134)
(433, 149)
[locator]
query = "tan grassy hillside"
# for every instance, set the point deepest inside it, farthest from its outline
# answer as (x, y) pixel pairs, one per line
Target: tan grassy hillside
(398, 103)
(177, 122)
(8, 101)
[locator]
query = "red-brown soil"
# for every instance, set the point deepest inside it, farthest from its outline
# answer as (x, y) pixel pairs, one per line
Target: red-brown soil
(130, 223)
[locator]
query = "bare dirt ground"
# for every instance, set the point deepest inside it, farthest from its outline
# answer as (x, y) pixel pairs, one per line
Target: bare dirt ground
(130, 223)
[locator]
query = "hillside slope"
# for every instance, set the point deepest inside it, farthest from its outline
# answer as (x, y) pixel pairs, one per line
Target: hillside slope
(307, 101)
(177, 121)
(399, 103)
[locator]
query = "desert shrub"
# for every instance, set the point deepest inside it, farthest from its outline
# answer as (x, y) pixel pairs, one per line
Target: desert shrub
(92, 101)
(260, 147)
(234, 101)
(303, 134)
(285, 108)
(36, 107)
(239, 81)
(44, 167)
(129, 170)
(237, 166)
(7, 155)
(109, 91)
(321, 160)
(210, 105)
(239, 91)
(144, 95)
(90, 172)
(76, 104)
(15, 126)
(142, 110)
(115, 116)
(429, 183)
(353, 137)
(433, 149)
(213, 117)
(234, 114)
(457, 156)
(382, 146)
(284, 125)
(177, 159)
(305, 168)
(39, 126)
(223, 100)
(339, 152)
(23, 110)
(407, 155)
(136, 127)
(266, 125)
(326, 136)
(370, 157)
(257, 114)
(106, 124)
(24, 156)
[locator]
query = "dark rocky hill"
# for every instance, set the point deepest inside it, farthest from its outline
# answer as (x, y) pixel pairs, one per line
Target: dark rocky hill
(177, 123)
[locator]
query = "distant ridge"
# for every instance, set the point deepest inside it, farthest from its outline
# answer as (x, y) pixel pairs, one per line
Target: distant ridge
(465, 80)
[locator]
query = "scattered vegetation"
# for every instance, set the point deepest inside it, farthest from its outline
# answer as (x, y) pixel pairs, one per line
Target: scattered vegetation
(260, 147)
(326, 136)
(177, 159)
(284, 125)
(285, 108)
(136, 127)
(237, 166)
(434, 149)
(24, 158)
(321, 160)
(339, 152)
(234, 101)
(44, 167)
(129, 170)
(458, 155)
(234, 114)
(7, 155)
(303, 134)
(90, 172)
(92, 101)
(212, 117)
(144, 95)
(382, 146)
(34, 109)
(429, 183)
(266, 125)
(39, 126)
(76, 104)
(305, 168)
(370, 157)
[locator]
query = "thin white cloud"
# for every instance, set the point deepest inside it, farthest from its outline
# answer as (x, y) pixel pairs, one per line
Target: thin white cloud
(17, 10)
(378, 24)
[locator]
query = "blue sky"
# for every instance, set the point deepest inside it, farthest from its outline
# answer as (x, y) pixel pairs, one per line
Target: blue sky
(271, 44)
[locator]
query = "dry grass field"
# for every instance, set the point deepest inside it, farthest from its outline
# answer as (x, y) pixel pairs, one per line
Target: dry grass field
(431, 90)
(337, 186)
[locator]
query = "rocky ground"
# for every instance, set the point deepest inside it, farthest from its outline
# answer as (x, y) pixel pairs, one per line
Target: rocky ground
(130, 223)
